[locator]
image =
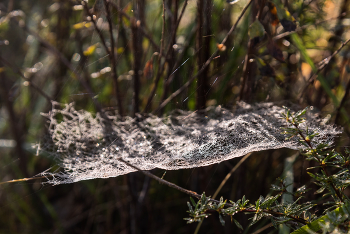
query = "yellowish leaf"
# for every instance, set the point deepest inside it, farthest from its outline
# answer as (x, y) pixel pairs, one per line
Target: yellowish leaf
(79, 25)
(82, 25)
(120, 50)
(90, 50)
(88, 25)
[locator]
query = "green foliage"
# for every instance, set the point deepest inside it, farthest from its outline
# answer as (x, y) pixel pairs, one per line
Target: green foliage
(332, 177)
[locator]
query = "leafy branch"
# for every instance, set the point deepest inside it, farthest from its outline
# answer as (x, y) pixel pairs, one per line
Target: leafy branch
(297, 213)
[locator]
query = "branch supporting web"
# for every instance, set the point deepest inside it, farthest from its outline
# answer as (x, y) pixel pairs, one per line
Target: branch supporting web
(88, 146)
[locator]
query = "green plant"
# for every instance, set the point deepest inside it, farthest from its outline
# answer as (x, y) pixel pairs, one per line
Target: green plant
(331, 175)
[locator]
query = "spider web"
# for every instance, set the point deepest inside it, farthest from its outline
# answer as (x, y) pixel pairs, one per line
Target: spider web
(88, 146)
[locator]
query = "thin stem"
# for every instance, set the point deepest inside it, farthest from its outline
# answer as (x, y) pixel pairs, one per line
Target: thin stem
(137, 54)
(22, 180)
(160, 66)
(223, 182)
(323, 166)
(110, 52)
(323, 64)
(196, 195)
(162, 181)
(274, 213)
(161, 51)
(113, 60)
(141, 27)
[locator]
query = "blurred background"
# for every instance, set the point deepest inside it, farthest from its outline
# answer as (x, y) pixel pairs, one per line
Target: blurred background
(153, 56)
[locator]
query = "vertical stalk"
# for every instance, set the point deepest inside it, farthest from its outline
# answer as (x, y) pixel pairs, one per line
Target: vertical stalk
(250, 67)
(160, 66)
(137, 51)
(113, 60)
(200, 56)
(204, 9)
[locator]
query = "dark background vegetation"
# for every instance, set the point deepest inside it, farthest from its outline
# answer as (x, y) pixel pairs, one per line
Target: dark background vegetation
(131, 56)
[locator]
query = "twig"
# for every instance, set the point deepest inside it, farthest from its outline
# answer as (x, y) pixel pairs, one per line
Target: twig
(223, 182)
(196, 195)
(182, 12)
(297, 219)
(162, 181)
(263, 228)
(202, 78)
(170, 52)
(323, 64)
(180, 57)
(112, 59)
(187, 84)
(65, 61)
(97, 29)
(110, 52)
(137, 54)
(323, 166)
(160, 66)
(23, 179)
(161, 51)
(174, 29)
(285, 34)
(142, 29)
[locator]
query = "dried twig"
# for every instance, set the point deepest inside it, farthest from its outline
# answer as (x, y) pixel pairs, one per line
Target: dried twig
(322, 65)
(142, 29)
(113, 59)
(110, 52)
(196, 195)
(160, 66)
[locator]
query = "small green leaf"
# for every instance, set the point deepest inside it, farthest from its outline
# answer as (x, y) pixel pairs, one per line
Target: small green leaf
(302, 189)
(193, 202)
(341, 214)
(256, 29)
(190, 208)
(301, 112)
(222, 221)
(237, 224)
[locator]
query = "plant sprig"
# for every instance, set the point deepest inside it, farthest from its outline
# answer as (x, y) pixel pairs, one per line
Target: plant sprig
(332, 180)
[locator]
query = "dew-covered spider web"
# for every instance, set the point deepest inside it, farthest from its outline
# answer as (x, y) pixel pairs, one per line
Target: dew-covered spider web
(88, 146)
